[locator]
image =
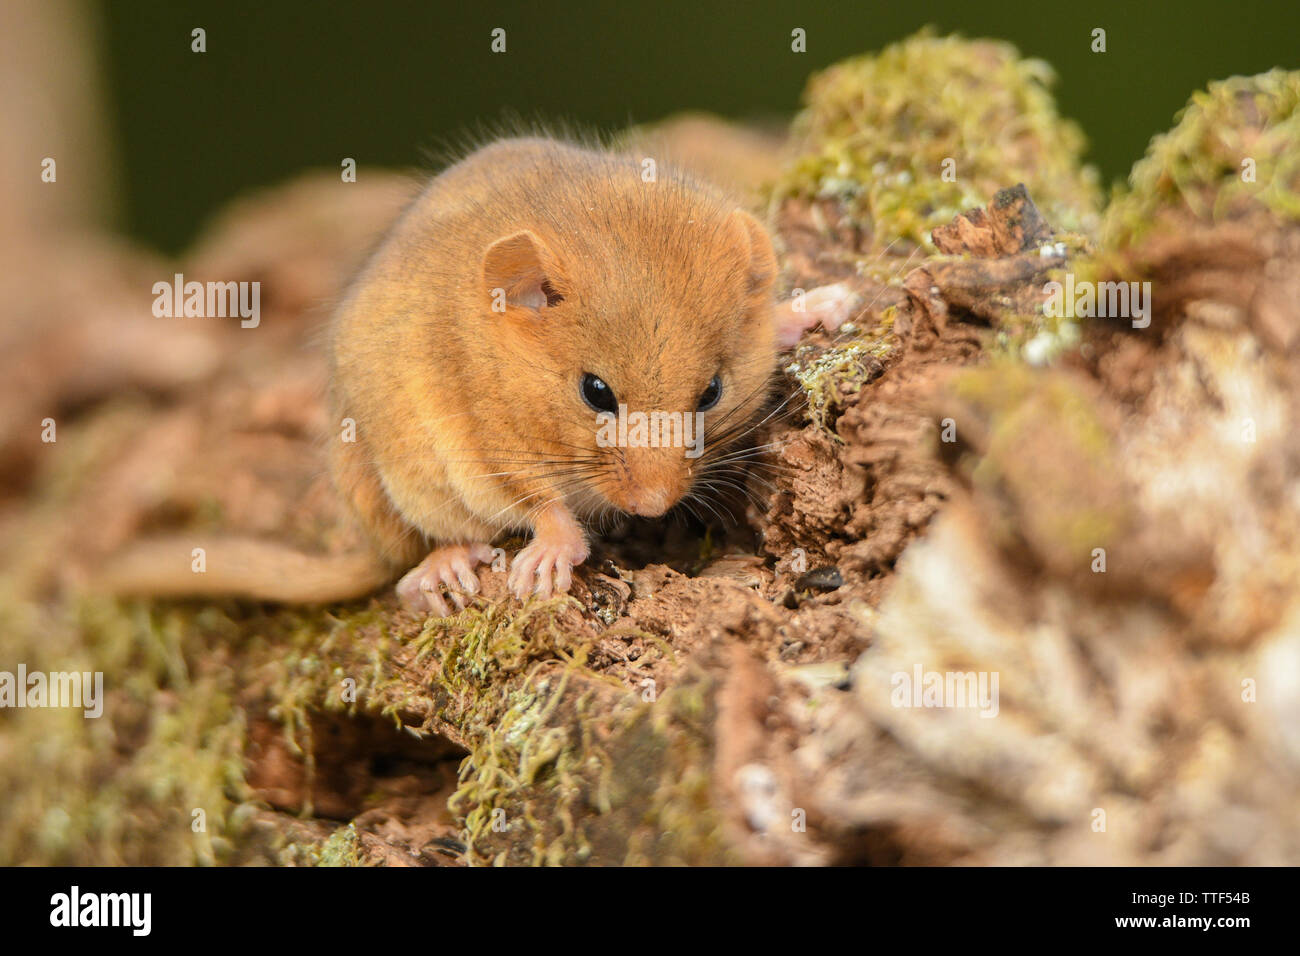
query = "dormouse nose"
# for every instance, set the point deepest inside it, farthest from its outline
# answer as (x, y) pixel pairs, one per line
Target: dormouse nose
(647, 502)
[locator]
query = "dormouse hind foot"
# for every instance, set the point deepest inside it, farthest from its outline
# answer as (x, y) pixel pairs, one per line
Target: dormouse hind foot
(447, 573)
(545, 566)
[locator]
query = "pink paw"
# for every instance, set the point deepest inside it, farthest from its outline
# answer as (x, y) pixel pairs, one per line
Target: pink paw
(450, 569)
(545, 567)
(829, 305)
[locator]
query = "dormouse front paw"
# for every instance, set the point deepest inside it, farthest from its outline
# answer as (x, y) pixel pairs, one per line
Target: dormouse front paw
(545, 566)
(447, 573)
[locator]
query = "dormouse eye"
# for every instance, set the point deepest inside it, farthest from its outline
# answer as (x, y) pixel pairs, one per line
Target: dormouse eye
(597, 394)
(710, 396)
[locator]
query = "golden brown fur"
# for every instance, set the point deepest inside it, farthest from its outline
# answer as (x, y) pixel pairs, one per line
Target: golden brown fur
(470, 420)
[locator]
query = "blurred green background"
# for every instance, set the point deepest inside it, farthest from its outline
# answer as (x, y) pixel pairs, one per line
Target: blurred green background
(296, 84)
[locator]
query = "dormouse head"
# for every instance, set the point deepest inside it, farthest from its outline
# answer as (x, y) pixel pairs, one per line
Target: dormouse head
(635, 344)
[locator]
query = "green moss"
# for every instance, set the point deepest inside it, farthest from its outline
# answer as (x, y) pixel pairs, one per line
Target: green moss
(566, 765)
(543, 730)
(342, 661)
(830, 378)
(878, 131)
(671, 816)
(503, 676)
(159, 778)
(1195, 169)
(341, 849)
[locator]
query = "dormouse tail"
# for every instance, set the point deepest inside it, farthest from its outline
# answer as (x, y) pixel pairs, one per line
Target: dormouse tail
(239, 567)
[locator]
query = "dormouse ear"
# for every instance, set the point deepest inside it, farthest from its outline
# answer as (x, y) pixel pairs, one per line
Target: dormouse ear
(761, 271)
(520, 270)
